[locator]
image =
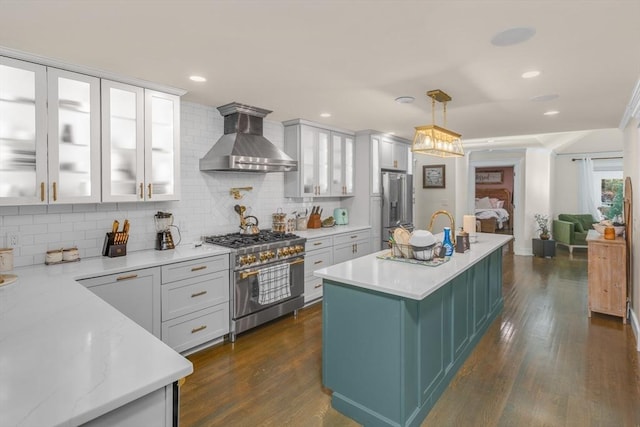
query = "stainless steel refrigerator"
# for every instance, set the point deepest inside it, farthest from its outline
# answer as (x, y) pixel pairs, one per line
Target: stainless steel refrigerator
(397, 203)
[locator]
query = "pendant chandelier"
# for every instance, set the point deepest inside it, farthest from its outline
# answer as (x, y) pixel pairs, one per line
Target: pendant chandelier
(435, 140)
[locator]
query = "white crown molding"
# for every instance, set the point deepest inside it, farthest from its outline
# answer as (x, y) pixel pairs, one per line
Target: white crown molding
(633, 108)
(49, 62)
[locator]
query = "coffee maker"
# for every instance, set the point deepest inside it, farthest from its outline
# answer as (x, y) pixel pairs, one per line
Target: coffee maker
(164, 240)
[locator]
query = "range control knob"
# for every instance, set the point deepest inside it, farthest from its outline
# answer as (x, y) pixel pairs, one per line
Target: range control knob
(270, 254)
(243, 260)
(264, 256)
(299, 249)
(284, 251)
(251, 258)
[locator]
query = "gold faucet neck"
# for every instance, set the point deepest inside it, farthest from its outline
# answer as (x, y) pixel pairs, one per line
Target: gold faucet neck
(451, 220)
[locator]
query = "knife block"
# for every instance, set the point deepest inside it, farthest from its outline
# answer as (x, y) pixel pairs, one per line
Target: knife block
(112, 249)
(314, 221)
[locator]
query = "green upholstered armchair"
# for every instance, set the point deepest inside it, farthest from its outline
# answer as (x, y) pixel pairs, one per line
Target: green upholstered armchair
(571, 230)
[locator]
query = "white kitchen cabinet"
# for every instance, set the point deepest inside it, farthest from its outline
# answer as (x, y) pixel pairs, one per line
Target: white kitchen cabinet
(195, 302)
(325, 160)
(141, 144)
(375, 219)
(49, 135)
(319, 254)
(393, 154)
(136, 294)
(342, 164)
(23, 132)
(74, 137)
(351, 245)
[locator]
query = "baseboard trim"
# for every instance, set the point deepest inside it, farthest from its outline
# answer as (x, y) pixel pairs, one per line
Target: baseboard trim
(635, 325)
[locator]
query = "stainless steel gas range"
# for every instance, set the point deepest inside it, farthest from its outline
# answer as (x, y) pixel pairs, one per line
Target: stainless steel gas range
(267, 276)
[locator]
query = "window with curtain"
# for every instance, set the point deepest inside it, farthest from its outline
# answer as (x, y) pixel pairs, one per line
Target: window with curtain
(609, 188)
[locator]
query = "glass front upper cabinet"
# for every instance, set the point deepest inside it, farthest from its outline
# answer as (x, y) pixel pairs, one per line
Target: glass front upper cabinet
(74, 137)
(23, 132)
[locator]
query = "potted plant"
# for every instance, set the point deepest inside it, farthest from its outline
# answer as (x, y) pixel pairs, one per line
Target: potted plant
(543, 226)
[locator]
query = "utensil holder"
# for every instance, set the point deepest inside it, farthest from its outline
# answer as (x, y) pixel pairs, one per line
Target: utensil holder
(111, 248)
(314, 221)
(301, 223)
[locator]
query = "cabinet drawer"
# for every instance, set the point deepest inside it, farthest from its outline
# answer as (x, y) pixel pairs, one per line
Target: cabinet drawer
(185, 296)
(136, 294)
(351, 237)
(188, 331)
(315, 260)
(318, 243)
(312, 288)
(197, 267)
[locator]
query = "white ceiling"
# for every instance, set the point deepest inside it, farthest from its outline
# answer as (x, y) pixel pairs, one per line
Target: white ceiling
(353, 58)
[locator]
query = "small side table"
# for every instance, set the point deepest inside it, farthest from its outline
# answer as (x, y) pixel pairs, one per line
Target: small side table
(544, 248)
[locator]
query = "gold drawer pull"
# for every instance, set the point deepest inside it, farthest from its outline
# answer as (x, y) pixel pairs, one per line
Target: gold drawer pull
(317, 243)
(198, 329)
(197, 294)
(129, 277)
(141, 191)
(318, 262)
(42, 191)
(202, 267)
(55, 191)
(354, 237)
(319, 285)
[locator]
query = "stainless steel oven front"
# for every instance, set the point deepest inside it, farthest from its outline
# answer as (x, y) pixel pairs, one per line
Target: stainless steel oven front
(247, 309)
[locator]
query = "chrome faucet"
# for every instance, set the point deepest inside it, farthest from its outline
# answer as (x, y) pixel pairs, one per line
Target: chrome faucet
(453, 223)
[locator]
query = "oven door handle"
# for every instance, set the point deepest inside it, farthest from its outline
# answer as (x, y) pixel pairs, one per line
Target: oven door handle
(245, 274)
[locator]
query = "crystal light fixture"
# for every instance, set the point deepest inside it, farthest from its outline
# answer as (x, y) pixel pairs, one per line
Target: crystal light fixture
(435, 140)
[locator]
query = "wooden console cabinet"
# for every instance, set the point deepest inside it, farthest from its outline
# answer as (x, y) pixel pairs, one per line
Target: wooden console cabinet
(607, 275)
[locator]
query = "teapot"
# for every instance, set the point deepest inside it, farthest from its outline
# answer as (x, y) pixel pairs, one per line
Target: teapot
(249, 226)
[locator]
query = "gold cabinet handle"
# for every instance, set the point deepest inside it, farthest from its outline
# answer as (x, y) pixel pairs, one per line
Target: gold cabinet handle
(149, 190)
(202, 267)
(318, 262)
(55, 191)
(198, 294)
(319, 285)
(42, 191)
(129, 277)
(141, 191)
(317, 243)
(198, 329)
(354, 237)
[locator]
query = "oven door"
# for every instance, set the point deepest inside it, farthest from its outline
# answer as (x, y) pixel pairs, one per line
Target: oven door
(247, 291)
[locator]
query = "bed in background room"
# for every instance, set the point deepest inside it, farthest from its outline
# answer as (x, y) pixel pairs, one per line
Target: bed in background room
(494, 209)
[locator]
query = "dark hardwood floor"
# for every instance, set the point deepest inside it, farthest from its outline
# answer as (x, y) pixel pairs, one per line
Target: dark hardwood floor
(543, 362)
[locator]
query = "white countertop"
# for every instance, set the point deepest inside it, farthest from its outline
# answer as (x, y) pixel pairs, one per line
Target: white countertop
(312, 233)
(66, 356)
(409, 280)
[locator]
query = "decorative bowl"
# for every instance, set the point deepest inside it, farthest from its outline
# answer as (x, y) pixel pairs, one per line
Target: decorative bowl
(600, 229)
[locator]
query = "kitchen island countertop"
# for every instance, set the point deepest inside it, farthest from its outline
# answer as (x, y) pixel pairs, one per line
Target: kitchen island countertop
(409, 280)
(66, 356)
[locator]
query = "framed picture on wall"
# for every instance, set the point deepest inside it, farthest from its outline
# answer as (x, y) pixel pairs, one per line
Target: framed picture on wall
(433, 176)
(489, 177)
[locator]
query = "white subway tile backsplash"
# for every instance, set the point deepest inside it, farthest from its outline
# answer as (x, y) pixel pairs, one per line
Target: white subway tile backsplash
(205, 208)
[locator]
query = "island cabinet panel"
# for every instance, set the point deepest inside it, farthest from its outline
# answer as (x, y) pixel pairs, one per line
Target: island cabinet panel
(388, 358)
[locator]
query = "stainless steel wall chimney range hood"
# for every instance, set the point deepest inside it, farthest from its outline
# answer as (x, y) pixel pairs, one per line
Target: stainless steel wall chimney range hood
(242, 148)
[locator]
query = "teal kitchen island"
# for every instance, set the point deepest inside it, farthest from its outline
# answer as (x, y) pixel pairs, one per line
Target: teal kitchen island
(395, 334)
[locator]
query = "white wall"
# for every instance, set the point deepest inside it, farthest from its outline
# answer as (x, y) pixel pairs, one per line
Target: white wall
(205, 207)
(429, 200)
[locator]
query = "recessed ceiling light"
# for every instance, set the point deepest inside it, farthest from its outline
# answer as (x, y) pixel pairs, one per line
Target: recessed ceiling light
(530, 74)
(405, 99)
(198, 79)
(543, 98)
(325, 115)
(513, 36)
(551, 113)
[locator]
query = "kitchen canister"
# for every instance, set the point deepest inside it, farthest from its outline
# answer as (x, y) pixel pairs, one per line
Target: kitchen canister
(6, 259)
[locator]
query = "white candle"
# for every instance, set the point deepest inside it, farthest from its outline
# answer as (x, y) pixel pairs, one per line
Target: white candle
(469, 224)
